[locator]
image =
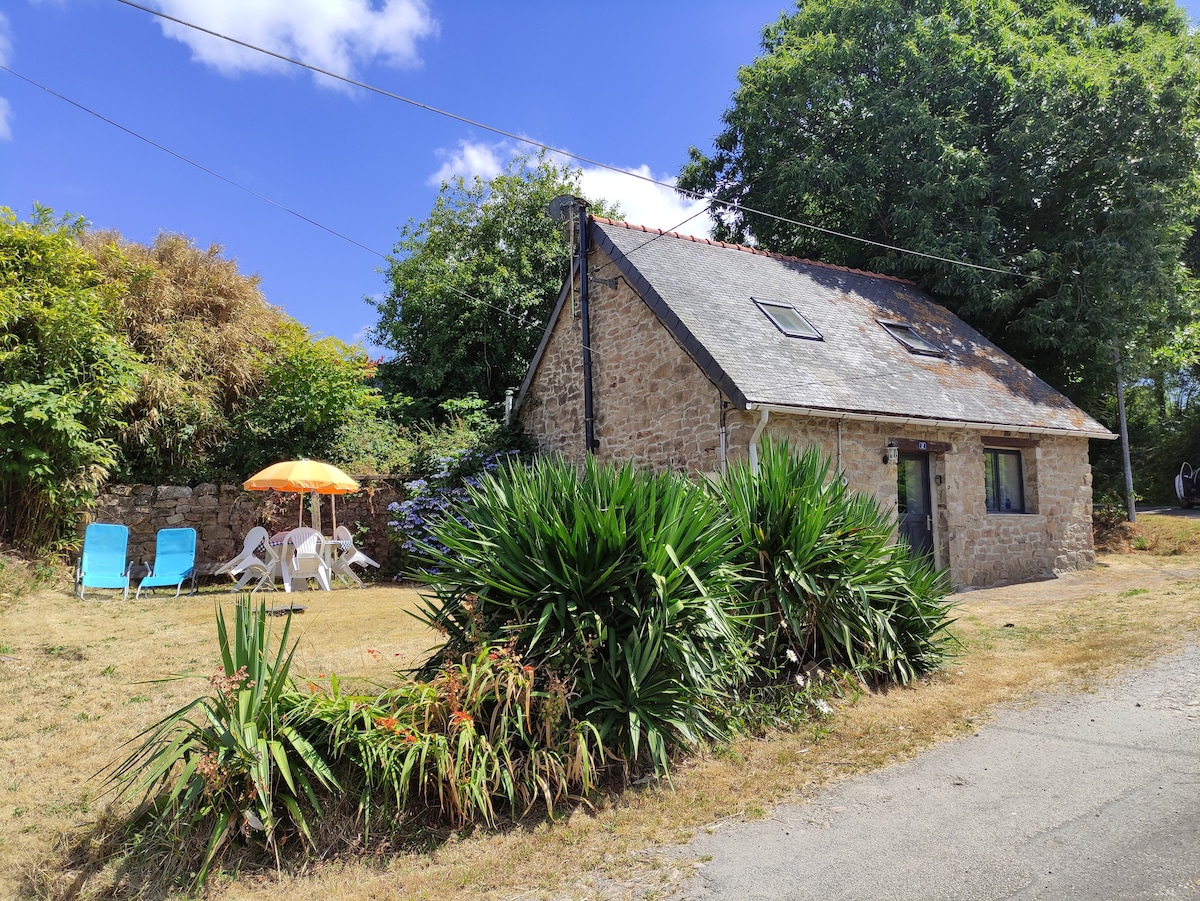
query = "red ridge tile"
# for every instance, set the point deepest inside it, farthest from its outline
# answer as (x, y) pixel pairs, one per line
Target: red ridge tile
(745, 249)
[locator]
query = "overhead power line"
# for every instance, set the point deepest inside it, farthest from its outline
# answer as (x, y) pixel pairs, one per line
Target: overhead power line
(474, 123)
(263, 197)
(191, 162)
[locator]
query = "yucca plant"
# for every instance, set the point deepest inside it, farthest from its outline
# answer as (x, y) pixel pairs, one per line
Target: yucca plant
(474, 736)
(613, 579)
(228, 762)
(825, 579)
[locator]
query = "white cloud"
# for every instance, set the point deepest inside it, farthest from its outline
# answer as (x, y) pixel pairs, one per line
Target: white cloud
(472, 159)
(646, 203)
(336, 35)
(6, 117)
(641, 202)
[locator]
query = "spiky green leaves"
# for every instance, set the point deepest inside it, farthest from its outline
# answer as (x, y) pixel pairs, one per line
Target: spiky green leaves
(228, 761)
(825, 578)
(615, 579)
(652, 595)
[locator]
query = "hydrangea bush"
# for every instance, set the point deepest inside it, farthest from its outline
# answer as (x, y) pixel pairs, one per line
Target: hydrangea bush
(440, 494)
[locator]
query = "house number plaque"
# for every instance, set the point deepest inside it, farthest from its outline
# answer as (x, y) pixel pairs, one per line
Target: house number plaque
(919, 446)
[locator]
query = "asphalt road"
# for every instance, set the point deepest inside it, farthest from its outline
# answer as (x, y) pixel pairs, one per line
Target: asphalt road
(1164, 510)
(1091, 796)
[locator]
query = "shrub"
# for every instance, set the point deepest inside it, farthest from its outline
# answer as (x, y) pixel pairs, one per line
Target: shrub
(227, 762)
(19, 576)
(312, 388)
(65, 375)
(825, 580)
(203, 331)
(613, 580)
(369, 443)
(441, 493)
(475, 734)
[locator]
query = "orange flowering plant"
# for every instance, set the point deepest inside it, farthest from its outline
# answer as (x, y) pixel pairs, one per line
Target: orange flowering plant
(476, 739)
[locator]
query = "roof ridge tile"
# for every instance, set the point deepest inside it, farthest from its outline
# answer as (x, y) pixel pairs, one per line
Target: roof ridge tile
(745, 249)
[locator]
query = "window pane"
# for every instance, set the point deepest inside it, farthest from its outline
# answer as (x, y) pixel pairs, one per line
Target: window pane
(989, 479)
(1008, 491)
(907, 336)
(788, 320)
(1002, 481)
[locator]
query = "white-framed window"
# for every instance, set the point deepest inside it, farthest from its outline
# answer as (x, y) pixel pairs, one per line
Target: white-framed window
(788, 319)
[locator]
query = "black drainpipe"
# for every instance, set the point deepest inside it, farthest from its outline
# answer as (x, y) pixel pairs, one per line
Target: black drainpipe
(589, 424)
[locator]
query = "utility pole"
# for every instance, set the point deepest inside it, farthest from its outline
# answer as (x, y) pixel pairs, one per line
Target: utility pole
(1130, 507)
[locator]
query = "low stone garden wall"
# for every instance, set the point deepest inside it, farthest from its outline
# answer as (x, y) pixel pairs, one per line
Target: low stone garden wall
(223, 514)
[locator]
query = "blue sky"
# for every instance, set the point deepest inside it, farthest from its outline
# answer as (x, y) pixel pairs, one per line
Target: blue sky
(630, 83)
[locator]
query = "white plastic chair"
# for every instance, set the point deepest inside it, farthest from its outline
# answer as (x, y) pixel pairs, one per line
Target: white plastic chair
(349, 554)
(301, 558)
(248, 564)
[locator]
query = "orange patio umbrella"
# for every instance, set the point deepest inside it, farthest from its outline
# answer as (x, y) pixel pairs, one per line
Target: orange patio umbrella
(300, 476)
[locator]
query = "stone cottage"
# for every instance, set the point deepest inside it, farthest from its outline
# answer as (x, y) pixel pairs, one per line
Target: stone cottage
(699, 348)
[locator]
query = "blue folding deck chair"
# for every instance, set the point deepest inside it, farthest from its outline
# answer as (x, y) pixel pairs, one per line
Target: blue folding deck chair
(174, 560)
(102, 563)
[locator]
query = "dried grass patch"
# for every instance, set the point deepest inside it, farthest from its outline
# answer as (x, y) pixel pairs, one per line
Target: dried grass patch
(1016, 641)
(75, 684)
(1156, 534)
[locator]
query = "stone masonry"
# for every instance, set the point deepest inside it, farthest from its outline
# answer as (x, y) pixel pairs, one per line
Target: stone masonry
(653, 405)
(980, 548)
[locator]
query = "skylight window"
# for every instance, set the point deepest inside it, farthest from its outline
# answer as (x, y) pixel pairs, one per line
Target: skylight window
(788, 320)
(908, 336)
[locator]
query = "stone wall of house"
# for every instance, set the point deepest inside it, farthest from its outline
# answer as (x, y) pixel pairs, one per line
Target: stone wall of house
(1055, 535)
(552, 409)
(223, 514)
(652, 404)
(980, 548)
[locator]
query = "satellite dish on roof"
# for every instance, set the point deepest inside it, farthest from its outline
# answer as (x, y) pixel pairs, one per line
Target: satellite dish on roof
(561, 207)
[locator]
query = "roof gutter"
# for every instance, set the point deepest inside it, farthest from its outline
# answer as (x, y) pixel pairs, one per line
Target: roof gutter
(917, 420)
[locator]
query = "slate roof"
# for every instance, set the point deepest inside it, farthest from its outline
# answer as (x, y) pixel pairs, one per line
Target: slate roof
(704, 291)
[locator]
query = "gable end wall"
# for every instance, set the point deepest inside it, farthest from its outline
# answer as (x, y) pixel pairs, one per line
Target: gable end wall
(652, 403)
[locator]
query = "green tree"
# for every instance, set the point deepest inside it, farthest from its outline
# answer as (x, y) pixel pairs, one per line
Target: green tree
(472, 286)
(65, 376)
(205, 332)
(1053, 140)
(315, 389)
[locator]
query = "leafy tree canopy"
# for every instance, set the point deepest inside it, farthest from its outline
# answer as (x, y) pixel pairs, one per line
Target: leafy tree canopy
(472, 285)
(204, 331)
(1054, 140)
(66, 374)
(314, 389)
(229, 382)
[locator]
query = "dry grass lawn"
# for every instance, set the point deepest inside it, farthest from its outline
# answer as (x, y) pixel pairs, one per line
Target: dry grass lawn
(73, 688)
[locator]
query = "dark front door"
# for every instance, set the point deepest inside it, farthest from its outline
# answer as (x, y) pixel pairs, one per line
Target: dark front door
(913, 502)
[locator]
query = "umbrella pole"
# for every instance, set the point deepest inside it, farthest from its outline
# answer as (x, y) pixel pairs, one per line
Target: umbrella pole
(333, 512)
(300, 520)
